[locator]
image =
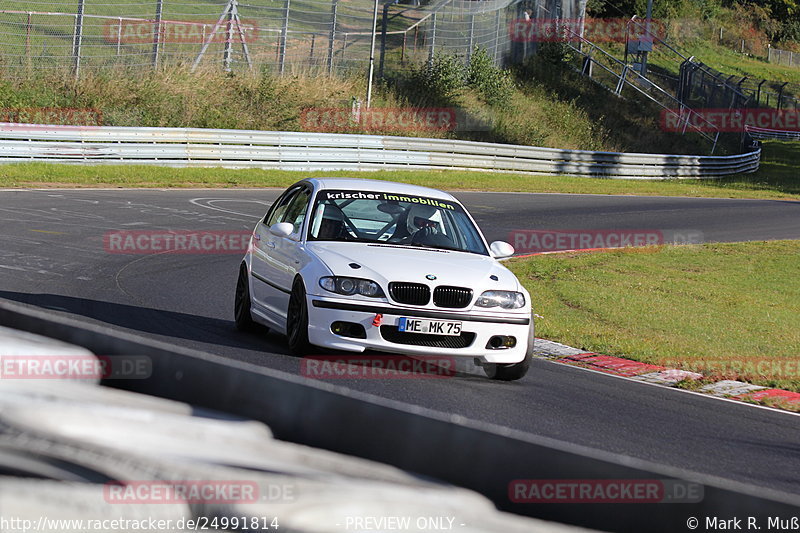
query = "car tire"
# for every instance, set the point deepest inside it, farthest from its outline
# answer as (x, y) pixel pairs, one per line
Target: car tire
(241, 304)
(512, 371)
(297, 319)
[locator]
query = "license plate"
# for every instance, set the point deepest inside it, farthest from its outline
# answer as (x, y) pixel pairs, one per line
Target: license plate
(429, 327)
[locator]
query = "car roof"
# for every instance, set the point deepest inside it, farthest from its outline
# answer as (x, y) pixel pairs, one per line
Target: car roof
(362, 184)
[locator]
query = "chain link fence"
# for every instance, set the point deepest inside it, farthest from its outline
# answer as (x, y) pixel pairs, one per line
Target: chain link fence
(783, 57)
(280, 35)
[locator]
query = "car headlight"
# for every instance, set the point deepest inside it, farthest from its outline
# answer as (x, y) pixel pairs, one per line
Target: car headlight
(504, 299)
(351, 286)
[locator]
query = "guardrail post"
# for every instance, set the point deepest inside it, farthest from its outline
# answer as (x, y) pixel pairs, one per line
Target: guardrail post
(284, 35)
(332, 35)
(157, 32)
(77, 38)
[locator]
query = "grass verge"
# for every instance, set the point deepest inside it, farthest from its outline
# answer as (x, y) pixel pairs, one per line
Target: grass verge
(728, 311)
(777, 179)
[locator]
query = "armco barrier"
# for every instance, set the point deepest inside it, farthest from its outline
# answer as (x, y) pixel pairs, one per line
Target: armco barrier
(768, 134)
(471, 454)
(183, 147)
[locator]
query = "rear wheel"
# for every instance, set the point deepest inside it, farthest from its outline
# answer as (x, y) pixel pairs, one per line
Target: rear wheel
(241, 303)
(297, 319)
(512, 371)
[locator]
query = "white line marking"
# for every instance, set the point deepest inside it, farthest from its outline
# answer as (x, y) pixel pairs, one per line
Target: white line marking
(210, 201)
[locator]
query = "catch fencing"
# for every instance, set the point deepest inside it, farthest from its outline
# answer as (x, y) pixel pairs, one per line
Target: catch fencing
(282, 36)
(181, 147)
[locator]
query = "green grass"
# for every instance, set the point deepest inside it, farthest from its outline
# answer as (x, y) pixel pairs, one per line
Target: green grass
(174, 97)
(778, 179)
(720, 309)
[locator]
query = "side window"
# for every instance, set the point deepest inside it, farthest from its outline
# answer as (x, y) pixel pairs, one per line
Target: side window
(296, 211)
(278, 209)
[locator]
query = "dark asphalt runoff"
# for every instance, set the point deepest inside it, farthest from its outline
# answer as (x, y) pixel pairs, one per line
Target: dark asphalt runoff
(52, 255)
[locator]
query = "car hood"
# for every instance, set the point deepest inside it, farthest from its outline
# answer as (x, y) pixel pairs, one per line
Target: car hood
(385, 263)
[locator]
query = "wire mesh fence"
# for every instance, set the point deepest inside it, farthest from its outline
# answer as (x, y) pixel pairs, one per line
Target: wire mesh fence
(783, 57)
(281, 35)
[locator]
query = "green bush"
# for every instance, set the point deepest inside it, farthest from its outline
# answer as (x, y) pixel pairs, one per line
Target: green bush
(438, 82)
(495, 86)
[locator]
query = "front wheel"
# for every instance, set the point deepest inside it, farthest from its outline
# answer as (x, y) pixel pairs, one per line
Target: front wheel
(241, 303)
(297, 319)
(512, 371)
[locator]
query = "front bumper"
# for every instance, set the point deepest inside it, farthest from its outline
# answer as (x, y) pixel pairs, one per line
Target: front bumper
(477, 330)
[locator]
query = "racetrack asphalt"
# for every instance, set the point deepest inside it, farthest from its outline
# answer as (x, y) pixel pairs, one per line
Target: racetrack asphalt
(52, 255)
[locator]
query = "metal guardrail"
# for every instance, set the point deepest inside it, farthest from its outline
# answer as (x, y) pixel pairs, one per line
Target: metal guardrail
(768, 134)
(183, 147)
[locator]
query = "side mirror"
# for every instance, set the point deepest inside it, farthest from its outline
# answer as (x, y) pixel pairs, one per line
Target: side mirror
(501, 249)
(281, 229)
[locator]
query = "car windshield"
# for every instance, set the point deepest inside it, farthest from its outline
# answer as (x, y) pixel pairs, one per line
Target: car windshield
(380, 217)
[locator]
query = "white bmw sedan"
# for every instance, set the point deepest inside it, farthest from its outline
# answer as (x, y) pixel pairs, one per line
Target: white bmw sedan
(355, 264)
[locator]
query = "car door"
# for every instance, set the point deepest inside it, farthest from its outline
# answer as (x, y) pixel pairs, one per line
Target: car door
(276, 258)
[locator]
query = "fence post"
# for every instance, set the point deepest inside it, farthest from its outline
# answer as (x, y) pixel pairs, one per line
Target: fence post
(28, 40)
(77, 37)
(497, 36)
(284, 34)
(432, 44)
(471, 40)
(157, 32)
(384, 24)
(332, 36)
(311, 53)
(119, 36)
(621, 83)
(228, 55)
(780, 95)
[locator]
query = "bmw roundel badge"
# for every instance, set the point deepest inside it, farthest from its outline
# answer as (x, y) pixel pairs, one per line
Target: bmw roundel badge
(430, 277)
